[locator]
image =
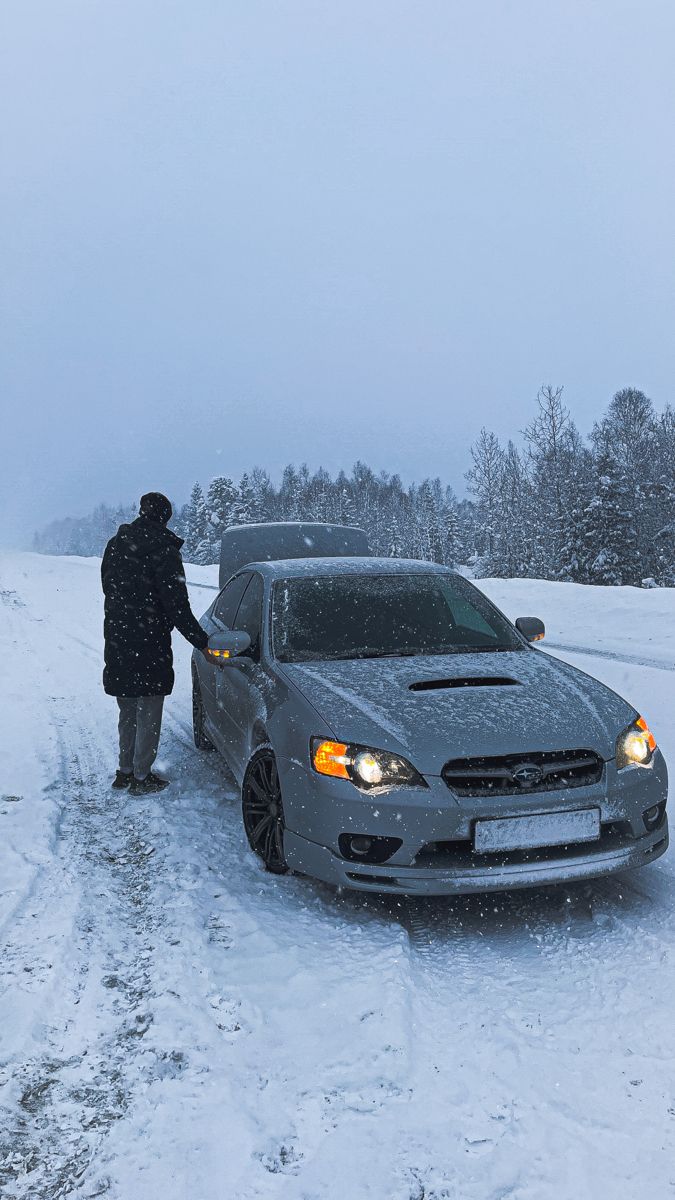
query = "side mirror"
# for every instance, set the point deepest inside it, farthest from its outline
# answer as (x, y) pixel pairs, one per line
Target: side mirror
(531, 628)
(223, 646)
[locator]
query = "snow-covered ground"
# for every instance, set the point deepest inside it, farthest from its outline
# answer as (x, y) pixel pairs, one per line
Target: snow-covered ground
(177, 1025)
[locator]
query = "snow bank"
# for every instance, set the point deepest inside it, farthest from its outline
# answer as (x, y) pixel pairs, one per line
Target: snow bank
(624, 620)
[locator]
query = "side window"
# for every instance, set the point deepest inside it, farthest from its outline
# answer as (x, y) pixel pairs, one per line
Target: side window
(228, 600)
(249, 616)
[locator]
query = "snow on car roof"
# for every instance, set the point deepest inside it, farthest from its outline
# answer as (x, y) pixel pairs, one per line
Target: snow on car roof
(286, 568)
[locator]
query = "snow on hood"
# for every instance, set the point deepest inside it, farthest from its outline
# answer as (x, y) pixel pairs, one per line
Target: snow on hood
(552, 706)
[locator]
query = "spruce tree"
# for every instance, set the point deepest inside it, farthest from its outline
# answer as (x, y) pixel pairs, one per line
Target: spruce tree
(242, 509)
(221, 502)
(485, 479)
(610, 535)
(197, 544)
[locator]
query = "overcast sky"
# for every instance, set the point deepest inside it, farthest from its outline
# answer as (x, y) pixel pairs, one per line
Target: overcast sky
(254, 232)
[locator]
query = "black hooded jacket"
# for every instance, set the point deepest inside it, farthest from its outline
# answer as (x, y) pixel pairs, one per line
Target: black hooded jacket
(145, 598)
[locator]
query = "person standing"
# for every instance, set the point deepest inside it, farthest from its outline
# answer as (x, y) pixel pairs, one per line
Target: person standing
(145, 598)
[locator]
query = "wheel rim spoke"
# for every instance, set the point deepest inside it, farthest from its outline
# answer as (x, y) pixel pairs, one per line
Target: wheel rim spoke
(269, 839)
(260, 830)
(261, 796)
(278, 841)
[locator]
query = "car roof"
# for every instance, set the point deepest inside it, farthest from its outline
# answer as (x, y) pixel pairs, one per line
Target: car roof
(298, 568)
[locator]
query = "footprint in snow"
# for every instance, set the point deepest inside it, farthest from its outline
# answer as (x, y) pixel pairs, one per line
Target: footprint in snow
(284, 1159)
(170, 1064)
(219, 932)
(227, 1014)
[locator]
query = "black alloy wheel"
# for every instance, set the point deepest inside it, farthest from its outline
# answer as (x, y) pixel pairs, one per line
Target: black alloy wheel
(263, 812)
(202, 742)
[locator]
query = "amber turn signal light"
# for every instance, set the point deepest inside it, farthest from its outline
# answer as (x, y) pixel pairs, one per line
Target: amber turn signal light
(651, 740)
(331, 758)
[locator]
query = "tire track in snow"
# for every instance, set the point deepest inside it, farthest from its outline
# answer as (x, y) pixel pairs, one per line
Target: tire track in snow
(636, 660)
(14, 618)
(70, 1095)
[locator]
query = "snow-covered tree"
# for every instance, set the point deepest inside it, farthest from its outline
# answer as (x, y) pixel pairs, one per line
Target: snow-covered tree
(612, 552)
(552, 445)
(242, 510)
(221, 504)
(289, 495)
(484, 479)
(263, 503)
(198, 540)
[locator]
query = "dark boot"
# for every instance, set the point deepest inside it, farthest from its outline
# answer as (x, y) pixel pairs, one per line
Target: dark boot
(122, 779)
(144, 787)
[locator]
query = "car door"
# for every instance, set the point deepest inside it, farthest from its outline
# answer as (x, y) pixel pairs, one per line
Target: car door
(221, 618)
(238, 684)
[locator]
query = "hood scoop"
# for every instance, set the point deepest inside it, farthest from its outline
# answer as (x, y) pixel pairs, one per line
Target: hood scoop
(481, 681)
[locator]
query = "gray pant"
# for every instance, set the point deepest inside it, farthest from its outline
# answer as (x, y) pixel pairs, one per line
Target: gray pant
(140, 725)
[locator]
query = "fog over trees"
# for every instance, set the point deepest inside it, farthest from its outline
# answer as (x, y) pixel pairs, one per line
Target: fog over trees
(549, 504)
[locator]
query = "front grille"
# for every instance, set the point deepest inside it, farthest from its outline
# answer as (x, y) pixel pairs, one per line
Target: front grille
(521, 774)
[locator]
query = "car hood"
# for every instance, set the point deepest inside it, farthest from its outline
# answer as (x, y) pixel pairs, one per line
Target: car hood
(512, 702)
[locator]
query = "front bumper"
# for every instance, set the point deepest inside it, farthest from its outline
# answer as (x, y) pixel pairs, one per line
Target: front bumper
(434, 826)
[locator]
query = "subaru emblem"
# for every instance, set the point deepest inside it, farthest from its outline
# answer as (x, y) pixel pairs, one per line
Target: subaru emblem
(528, 775)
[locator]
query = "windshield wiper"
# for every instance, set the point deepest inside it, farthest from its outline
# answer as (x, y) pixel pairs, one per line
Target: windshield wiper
(387, 654)
(484, 649)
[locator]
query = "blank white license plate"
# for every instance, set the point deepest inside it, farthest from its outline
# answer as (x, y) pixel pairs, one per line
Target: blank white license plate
(537, 829)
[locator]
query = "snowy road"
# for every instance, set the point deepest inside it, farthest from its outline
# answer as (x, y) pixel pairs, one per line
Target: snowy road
(176, 1024)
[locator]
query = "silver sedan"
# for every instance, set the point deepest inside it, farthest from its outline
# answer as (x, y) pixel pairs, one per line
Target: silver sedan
(392, 731)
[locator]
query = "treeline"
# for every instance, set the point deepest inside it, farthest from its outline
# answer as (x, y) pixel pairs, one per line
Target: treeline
(595, 511)
(556, 506)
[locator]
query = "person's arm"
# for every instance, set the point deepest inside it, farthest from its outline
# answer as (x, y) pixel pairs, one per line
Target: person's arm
(107, 563)
(173, 593)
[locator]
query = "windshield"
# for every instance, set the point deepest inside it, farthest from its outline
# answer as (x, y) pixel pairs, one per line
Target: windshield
(376, 616)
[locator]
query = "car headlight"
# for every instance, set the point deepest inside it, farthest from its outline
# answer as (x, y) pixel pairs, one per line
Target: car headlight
(635, 746)
(365, 767)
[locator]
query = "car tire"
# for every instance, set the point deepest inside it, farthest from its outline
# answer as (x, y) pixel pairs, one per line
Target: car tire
(262, 810)
(202, 741)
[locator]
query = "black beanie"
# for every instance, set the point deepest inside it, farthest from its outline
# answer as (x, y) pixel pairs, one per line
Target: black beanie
(156, 507)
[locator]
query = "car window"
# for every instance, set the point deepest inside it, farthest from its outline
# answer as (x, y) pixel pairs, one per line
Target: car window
(249, 615)
(373, 616)
(228, 600)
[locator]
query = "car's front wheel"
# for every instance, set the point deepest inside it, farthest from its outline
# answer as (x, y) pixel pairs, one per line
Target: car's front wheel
(202, 742)
(263, 812)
